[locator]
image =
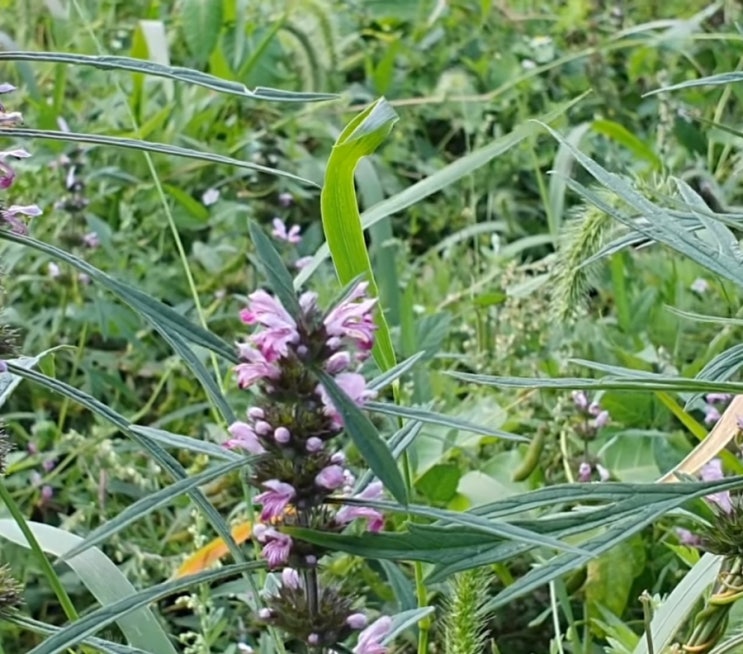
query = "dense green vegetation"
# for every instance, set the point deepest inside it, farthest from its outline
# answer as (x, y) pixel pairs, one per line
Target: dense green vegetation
(553, 229)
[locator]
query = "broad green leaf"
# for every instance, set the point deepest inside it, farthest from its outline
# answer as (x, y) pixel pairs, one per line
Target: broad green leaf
(148, 146)
(406, 619)
(439, 180)
(201, 21)
(439, 484)
(366, 438)
(274, 270)
(434, 418)
(86, 626)
(623, 136)
(611, 575)
(187, 75)
(102, 578)
(340, 212)
(152, 502)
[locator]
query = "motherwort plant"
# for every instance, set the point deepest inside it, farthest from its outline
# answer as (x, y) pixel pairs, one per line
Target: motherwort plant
(294, 429)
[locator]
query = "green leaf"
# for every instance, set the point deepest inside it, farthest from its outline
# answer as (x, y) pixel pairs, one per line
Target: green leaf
(387, 377)
(163, 458)
(148, 146)
(9, 381)
(711, 80)
(440, 180)
(274, 270)
(102, 578)
(340, 212)
(178, 442)
(188, 75)
(366, 438)
(623, 136)
(433, 418)
(675, 609)
(153, 502)
(611, 575)
(161, 317)
(439, 483)
(77, 631)
(201, 22)
(37, 627)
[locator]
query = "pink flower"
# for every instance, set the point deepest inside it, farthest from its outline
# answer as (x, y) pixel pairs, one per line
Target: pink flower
(370, 640)
(601, 419)
(688, 538)
(280, 329)
(711, 415)
(338, 362)
(584, 472)
(347, 514)
(353, 385)
(7, 174)
(314, 444)
(255, 368)
(712, 471)
(10, 216)
(330, 477)
(353, 319)
(357, 621)
(277, 548)
(244, 437)
(718, 398)
(285, 199)
(290, 579)
(580, 399)
(275, 499)
(280, 232)
(91, 240)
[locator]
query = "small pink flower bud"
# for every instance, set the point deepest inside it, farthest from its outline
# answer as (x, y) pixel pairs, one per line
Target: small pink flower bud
(339, 458)
(256, 413)
(263, 428)
(601, 420)
(357, 621)
(313, 639)
(281, 435)
(290, 578)
(338, 362)
(314, 444)
(264, 614)
(310, 560)
(584, 471)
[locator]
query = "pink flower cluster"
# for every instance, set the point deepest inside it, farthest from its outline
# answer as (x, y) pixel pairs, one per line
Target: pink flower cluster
(11, 215)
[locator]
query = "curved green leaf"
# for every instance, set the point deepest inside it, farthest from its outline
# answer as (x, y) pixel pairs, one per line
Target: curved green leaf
(79, 630)
(102, 578)
(201, 23)
(147, 146)
(340, 212)
(178, 73)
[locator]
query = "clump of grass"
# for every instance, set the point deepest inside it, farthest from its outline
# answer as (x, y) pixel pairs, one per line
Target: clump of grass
(465, 624)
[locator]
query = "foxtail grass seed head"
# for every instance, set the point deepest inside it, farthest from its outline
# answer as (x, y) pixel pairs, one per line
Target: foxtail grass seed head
(10, 591)
(293, 431)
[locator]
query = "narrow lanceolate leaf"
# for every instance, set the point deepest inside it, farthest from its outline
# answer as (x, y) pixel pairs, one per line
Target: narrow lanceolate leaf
(37, 627)
(8, 381)
(340, 212)
(150, 503)
(274, 270)
(102, 578)
(712, 80)
(178, 73)
(147, 146)
(434, 418)
(160, 316)
(439, 180)
(167, 462)
(96, 620)
(366, 438)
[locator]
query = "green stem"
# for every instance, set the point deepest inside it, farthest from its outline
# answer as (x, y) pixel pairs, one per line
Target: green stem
(621, 302)
(64, 599)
